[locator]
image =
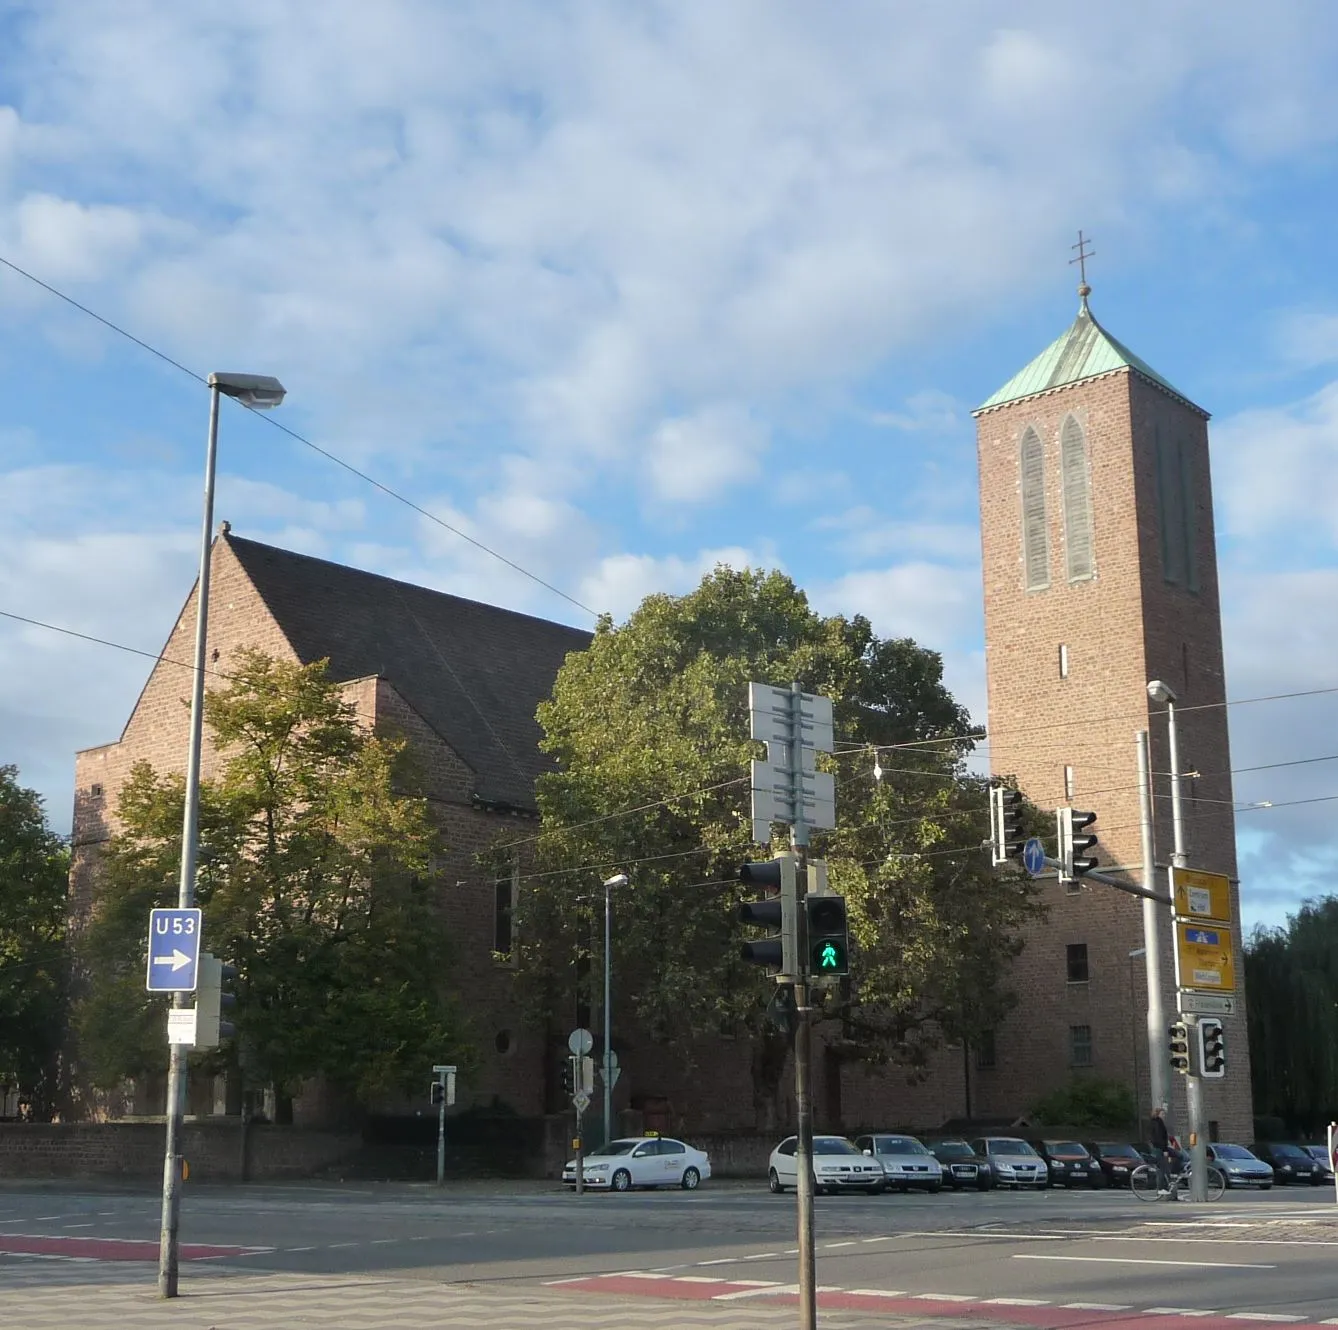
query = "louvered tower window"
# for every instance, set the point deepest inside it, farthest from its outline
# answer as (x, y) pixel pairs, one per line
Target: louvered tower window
(1077, 500)
(1035, 538)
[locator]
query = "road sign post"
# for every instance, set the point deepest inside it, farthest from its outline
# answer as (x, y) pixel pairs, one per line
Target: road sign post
(445, 1097)
(174, 951)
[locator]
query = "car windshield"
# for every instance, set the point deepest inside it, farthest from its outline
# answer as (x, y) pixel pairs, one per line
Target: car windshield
(1065, 1148)
(1232, 1152)
(832, 1145)
(1316, 1151)
(1288, 1151)
(1009, 1148)
(1117, 1152)
(898, 1145)
(615, 1148)
(954, 1150)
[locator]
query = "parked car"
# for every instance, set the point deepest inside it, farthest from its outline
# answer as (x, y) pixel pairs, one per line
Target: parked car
(1240, 1167)
(962, 1166)
(1012, 1162)
(1290, 1163)
(1320, 1154)
(1070, 1164)
(837, 1166)
(641, 1161)
(1116, 1161)
(906, 1163)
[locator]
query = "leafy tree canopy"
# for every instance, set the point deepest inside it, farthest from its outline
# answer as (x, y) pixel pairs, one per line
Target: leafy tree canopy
(1087, 1101)
(34, 871)
(1291, 974)
(653, 717)
(314, 880)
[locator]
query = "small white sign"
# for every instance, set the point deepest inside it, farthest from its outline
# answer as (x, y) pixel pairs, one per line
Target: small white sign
(1200, 900)
(582, 1102)
(181, 1026)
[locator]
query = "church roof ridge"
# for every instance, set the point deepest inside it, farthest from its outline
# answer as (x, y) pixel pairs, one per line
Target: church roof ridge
(1085, 350)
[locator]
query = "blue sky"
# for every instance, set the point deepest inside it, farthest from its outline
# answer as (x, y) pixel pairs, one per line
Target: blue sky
(623, 289)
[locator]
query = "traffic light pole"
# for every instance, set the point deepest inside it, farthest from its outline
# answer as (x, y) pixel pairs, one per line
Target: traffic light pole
(803, 1054)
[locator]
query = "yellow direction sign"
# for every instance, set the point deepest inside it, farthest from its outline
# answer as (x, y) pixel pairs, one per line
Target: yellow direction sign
(1206, 957)
(1201, 895)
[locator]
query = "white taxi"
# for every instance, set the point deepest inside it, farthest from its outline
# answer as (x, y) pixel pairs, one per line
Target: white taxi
(641, 1161)
(837, 1166)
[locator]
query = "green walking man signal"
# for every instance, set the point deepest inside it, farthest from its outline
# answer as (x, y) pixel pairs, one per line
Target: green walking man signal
(828, 936)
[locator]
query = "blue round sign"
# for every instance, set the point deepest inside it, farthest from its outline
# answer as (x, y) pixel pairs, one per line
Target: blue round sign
(1033, 857)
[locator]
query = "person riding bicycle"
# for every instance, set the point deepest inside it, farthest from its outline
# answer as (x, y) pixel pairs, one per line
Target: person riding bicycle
(1164, 1144)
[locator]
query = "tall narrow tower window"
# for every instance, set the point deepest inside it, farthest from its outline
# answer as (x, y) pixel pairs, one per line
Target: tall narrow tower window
(1035, 538)
(1176, 512)
(1077, 500)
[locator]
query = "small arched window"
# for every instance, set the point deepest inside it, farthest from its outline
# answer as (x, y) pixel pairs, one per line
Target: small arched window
(1077, 501)
(1035, 537)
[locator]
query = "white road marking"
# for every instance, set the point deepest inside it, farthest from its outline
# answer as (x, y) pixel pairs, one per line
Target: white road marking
(699, 1279)
(293, 1249)
(943, 1297)
(831, 1246)
(763, 1255)
(760, 1291)
(1260, 1316)
(1173, 1311)
(1017, 1302)
(888, 1238)
(76, 1226)
(333, 1245)
(1136, 1260)
(720, 1260)
(877, 1292)
(1097, 1306)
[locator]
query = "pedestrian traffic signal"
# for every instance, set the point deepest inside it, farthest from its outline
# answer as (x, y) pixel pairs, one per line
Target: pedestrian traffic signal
(1074, 859)
(569, 1074)
(1006, 834)
(211, 1000)
(778, 911)
(1179, 1035)
(828, 936)
(1212, 1049)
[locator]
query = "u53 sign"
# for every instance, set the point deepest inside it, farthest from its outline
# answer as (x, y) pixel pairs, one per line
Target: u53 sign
(174, 951)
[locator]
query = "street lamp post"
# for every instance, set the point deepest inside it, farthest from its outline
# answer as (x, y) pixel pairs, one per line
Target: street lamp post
(1133, 1027)
(260, 392)
(1159, 691)
(1159, 1091)
(617, 880)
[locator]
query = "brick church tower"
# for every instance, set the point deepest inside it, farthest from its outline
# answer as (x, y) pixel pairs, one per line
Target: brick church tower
(1100, 574)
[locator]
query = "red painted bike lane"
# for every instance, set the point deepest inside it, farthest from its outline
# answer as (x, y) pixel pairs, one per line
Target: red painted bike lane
(112, 1249)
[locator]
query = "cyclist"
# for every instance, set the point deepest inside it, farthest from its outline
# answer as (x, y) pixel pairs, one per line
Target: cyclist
(1163, 1143)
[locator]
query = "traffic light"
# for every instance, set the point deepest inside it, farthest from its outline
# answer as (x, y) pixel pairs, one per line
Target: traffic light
(828, 936)
(778, 910)
(1212, 1049)
(1179, 1034)
(569, 1076)
(438, 1094)
(211, 1000)
(1074, 859)
(1006, 836)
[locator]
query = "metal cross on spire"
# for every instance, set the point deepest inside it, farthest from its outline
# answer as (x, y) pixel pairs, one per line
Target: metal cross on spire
(1083, 255)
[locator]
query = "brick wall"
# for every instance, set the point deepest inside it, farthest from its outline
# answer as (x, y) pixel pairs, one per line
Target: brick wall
(134, 1150)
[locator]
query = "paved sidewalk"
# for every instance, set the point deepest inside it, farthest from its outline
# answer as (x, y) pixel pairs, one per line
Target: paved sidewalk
(217, 1300)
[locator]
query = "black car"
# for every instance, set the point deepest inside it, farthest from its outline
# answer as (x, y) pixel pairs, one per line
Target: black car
(1290, 1163)
(1117, 1162)
(1320, 1154)
(962, 1166)
(1070, 1164)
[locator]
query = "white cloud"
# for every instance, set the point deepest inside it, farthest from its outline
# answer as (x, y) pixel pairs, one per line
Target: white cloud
(695, 459)
(621, 581)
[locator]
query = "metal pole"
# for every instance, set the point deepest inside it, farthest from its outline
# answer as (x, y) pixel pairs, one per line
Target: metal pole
(1133, 1031)
(190, 837)
(580, 1145)
(1156, 1022)
(441, 1134)
(803, 1042)
(608, 1014)
(1198, 1134)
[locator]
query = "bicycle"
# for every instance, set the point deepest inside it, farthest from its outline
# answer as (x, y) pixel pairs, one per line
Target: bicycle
(1146, 1182)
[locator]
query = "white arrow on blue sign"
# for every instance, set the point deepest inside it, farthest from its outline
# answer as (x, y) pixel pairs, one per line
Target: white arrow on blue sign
(1033, 856)
(174, 951)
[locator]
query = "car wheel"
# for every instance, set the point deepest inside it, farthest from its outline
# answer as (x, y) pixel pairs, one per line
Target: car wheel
(1098, 1180)
(934, 1188)
(622, 1180)
(690, 1179)
(1265, 1186)
(774, 1183)
(877, 1189)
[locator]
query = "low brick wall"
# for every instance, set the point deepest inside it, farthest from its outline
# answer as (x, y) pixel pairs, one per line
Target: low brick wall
(134, 1150)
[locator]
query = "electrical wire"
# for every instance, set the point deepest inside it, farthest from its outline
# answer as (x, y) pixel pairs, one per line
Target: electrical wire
(293, 434)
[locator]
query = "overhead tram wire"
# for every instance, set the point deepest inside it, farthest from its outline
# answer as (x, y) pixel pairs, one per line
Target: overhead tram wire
(293, 434)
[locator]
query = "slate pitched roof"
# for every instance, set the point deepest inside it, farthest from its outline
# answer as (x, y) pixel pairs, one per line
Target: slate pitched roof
(474, 672)
(1085, 351)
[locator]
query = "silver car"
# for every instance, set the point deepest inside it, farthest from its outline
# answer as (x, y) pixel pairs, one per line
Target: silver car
(1013, 1163)
(906, 1163)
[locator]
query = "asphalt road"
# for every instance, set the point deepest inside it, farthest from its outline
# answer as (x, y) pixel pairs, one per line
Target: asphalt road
(1267, 1256)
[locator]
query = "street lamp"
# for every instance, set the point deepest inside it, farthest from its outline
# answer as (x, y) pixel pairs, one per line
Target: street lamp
(1133, 1025)
(1159, 691)
(259, 392)
(617, 880)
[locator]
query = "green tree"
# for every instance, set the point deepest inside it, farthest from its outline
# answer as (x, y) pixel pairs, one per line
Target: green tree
(34, 872)
(1291, 975)
(314, 880)
(1087, 1101)
(653, 717)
